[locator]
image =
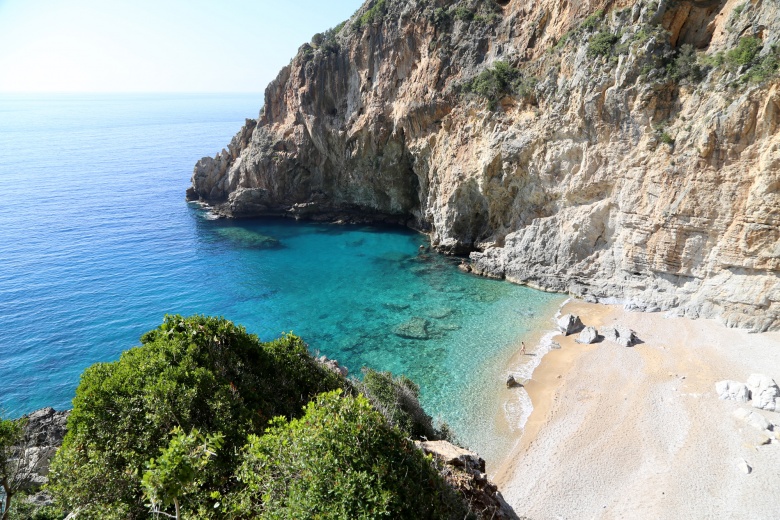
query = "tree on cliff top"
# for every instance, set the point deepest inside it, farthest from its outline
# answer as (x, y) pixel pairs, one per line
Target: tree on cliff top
(192, 373)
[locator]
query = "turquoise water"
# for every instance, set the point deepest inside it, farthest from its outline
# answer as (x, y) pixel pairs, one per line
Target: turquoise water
(97, 244)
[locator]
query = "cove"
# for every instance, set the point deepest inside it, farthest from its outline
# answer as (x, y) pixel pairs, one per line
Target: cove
(97, 244)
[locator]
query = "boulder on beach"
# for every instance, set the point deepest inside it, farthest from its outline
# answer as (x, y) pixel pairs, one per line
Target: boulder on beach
(751, 418)
(621, 335)
(587, 336)
(569, 324)
(732, 391)
(764, 392)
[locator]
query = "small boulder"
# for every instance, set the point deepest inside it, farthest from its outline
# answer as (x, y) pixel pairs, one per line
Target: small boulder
(744, 467)
(569, 324)
(587, 336)
(752, 418)
(621, 335)
(732, 391)
(764, 392)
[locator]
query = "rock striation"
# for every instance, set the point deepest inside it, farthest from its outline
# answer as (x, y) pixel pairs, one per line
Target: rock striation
(634, 158)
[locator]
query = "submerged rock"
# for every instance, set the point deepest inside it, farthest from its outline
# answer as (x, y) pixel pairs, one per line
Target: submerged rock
(247, 238)
(415, 328)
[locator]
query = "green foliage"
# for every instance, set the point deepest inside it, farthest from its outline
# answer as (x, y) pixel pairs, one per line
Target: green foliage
(737, 12)
(666, 138)
(372, 15)
(340, 460)
(766, 68)
(14, 465)
(197, 372)
(25, 510)
(601, 44)
(499, 81)
(179, 469)
(744, 53)
(685, 65)
(463, 13)
(593, 21)
(398, 400)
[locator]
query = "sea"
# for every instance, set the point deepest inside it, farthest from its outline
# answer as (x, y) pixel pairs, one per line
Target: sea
(97, 245)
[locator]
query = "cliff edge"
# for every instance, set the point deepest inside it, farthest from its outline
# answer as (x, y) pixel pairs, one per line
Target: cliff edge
(617, 150)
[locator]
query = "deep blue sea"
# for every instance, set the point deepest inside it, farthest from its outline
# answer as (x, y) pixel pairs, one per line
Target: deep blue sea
(97, 244)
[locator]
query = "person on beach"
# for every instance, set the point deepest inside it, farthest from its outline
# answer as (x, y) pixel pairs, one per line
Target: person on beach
(522, 348)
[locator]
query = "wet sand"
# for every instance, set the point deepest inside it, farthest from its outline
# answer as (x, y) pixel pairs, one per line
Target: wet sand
(639, 432)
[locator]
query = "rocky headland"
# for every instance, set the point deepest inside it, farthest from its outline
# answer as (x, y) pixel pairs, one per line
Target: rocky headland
(622, 151)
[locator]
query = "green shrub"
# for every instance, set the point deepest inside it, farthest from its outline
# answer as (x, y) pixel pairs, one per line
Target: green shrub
(685, 65)
(398, 400)
(372, 15)
(744, 53)
(499, 81)
(340, 460)
(463, 13)
(197, 372)
(601, 44)
(766, 68)
(666, 138)
(593, 21)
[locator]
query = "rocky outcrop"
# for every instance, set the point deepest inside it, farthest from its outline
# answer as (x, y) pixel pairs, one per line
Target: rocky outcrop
(465, 471)
(764, 392)
(43, 434)
(587, 336)
(613, 167)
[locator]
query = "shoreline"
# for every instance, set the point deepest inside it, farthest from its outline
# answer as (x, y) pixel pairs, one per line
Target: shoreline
(639, 432)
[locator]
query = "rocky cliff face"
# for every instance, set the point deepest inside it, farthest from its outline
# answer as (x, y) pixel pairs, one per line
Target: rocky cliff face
(613, 149)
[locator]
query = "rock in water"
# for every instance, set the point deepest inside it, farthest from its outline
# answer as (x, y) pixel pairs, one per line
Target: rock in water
(587, 336)
(569, 324)
(764, 392)
(415, 328)
(733, 391)
(511, 382)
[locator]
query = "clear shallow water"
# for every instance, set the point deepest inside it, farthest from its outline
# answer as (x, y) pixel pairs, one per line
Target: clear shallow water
(97, 244)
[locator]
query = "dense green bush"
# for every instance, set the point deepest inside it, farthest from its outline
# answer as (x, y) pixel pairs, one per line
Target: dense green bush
(197, 372)
(601, 44)
(499, 81)
(372, 15)
(398, 400)
(744, 53)
(685, 65)
(340, 460)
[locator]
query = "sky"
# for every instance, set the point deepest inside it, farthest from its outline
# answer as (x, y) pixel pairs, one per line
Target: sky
(155, 45)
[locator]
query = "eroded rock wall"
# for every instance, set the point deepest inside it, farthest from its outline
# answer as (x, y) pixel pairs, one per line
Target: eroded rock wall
(610, 178)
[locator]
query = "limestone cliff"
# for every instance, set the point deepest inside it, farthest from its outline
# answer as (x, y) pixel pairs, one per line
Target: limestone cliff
(613, 149)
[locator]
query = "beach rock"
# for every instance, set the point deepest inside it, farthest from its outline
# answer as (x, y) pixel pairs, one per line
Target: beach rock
(415, 328)
(764, 392)
(569, 324)
(587, 336)
(744, 467)
(752, 418)
(555, 346)
(621, 335)
(511, 382)
(733, 391)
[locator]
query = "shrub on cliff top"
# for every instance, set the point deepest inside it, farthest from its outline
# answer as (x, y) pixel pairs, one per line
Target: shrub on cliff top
(193, 373)
(340, 460)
